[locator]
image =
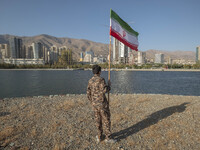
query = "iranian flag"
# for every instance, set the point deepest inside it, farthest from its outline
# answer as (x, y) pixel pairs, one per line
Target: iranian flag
(123, 32)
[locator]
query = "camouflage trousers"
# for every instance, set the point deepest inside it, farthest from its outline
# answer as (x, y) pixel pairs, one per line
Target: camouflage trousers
(102, 117)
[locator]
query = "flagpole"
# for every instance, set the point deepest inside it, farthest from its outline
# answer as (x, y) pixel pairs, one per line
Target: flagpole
(109, 67)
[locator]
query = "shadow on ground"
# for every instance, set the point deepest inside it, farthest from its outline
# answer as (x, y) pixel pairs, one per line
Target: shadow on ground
(4, 113)
(151, 120)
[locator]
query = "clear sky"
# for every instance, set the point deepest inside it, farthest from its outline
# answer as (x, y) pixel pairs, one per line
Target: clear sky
(162, 24)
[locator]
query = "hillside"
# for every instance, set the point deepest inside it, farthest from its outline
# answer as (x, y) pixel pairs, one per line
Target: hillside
(82, 45)
(77, 45)
(187, 55)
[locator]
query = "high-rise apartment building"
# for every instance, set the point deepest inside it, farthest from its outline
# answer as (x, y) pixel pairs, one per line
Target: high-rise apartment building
(120, 52)
(141, 57)
(81, 57)
(37, 50)
(45, 54)
(169, 61)
(63, 48)
(131, 59)
(15, 47)
(5, 51)
(29, 52)
(0, 53)
(159, 58)
(198, 54)
(64, 51)
(54, 53)
(88, 56)
(49, 57)
(23, 52)
(115, 50)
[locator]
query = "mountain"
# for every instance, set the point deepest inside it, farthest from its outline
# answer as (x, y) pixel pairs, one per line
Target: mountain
(77, 45)
(187, 55)
(82, 45)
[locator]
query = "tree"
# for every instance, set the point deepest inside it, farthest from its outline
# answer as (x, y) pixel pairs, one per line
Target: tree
(66, 58)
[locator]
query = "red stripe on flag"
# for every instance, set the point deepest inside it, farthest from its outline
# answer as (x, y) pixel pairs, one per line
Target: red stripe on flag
(118, 37)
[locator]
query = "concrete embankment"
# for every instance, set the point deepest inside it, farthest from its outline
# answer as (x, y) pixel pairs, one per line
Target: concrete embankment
(112, 69)
(188, 70)
(139, 121)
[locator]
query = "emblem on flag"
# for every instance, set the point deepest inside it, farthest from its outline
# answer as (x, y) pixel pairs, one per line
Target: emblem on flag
(124, 33)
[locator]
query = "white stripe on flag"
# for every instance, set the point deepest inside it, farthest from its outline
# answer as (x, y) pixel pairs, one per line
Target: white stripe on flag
(128, 37)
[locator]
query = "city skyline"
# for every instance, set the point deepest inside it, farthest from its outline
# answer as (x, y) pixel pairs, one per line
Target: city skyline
(79, 46)
(162, 25)
(36, 53)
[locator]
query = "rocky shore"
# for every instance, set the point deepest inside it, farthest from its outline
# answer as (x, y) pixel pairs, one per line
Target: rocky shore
(139, 121)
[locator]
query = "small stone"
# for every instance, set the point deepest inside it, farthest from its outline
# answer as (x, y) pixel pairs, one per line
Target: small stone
(121, 148)
(12, 144)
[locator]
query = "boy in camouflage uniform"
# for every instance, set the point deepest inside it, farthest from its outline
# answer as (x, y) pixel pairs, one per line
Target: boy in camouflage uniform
(96, 94)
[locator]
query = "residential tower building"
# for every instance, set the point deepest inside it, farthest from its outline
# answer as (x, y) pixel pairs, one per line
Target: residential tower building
(15, 47)
(159, 58)
(37, 50)
(120, 52)
(141, 57)
(54, 53)
(81, 57)
(5, 50)
(198, 54)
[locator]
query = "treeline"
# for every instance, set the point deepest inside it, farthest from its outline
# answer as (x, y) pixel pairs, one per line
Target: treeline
(152, 66)
(104, 66)
(32, 66)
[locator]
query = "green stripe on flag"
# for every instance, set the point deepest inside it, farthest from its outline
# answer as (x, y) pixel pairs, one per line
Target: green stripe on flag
(123, 24)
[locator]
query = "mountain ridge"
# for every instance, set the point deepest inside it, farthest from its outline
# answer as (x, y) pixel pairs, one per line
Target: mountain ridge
(77, 45)
(82, 45)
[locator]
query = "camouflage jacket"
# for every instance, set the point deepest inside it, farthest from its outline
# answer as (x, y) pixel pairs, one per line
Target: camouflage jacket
(96, 90)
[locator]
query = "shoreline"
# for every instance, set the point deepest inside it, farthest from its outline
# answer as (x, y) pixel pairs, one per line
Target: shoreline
(111, 94)
(112, 69)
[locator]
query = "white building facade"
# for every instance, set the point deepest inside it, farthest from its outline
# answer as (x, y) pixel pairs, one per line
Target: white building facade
(198, 54)
(120, 52)
(18, 61)
(141, 57)
(159, 58)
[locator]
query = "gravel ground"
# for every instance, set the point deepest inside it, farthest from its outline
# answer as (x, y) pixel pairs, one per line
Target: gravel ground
(139, 121)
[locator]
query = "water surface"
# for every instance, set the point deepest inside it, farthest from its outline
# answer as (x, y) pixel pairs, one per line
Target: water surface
(20, 83)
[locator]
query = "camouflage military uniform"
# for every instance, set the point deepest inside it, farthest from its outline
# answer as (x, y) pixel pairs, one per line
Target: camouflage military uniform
(96, 94)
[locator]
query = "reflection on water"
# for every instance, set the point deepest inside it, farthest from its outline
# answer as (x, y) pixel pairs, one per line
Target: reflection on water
(34, 80)
(16, 83)
(122, 81)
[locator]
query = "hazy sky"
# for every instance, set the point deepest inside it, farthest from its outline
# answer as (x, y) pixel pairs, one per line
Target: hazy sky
(162, 24)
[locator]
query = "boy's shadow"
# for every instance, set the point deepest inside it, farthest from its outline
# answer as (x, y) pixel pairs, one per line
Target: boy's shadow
(151, 120)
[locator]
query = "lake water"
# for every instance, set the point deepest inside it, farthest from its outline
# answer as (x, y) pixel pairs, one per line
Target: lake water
(20, 83)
